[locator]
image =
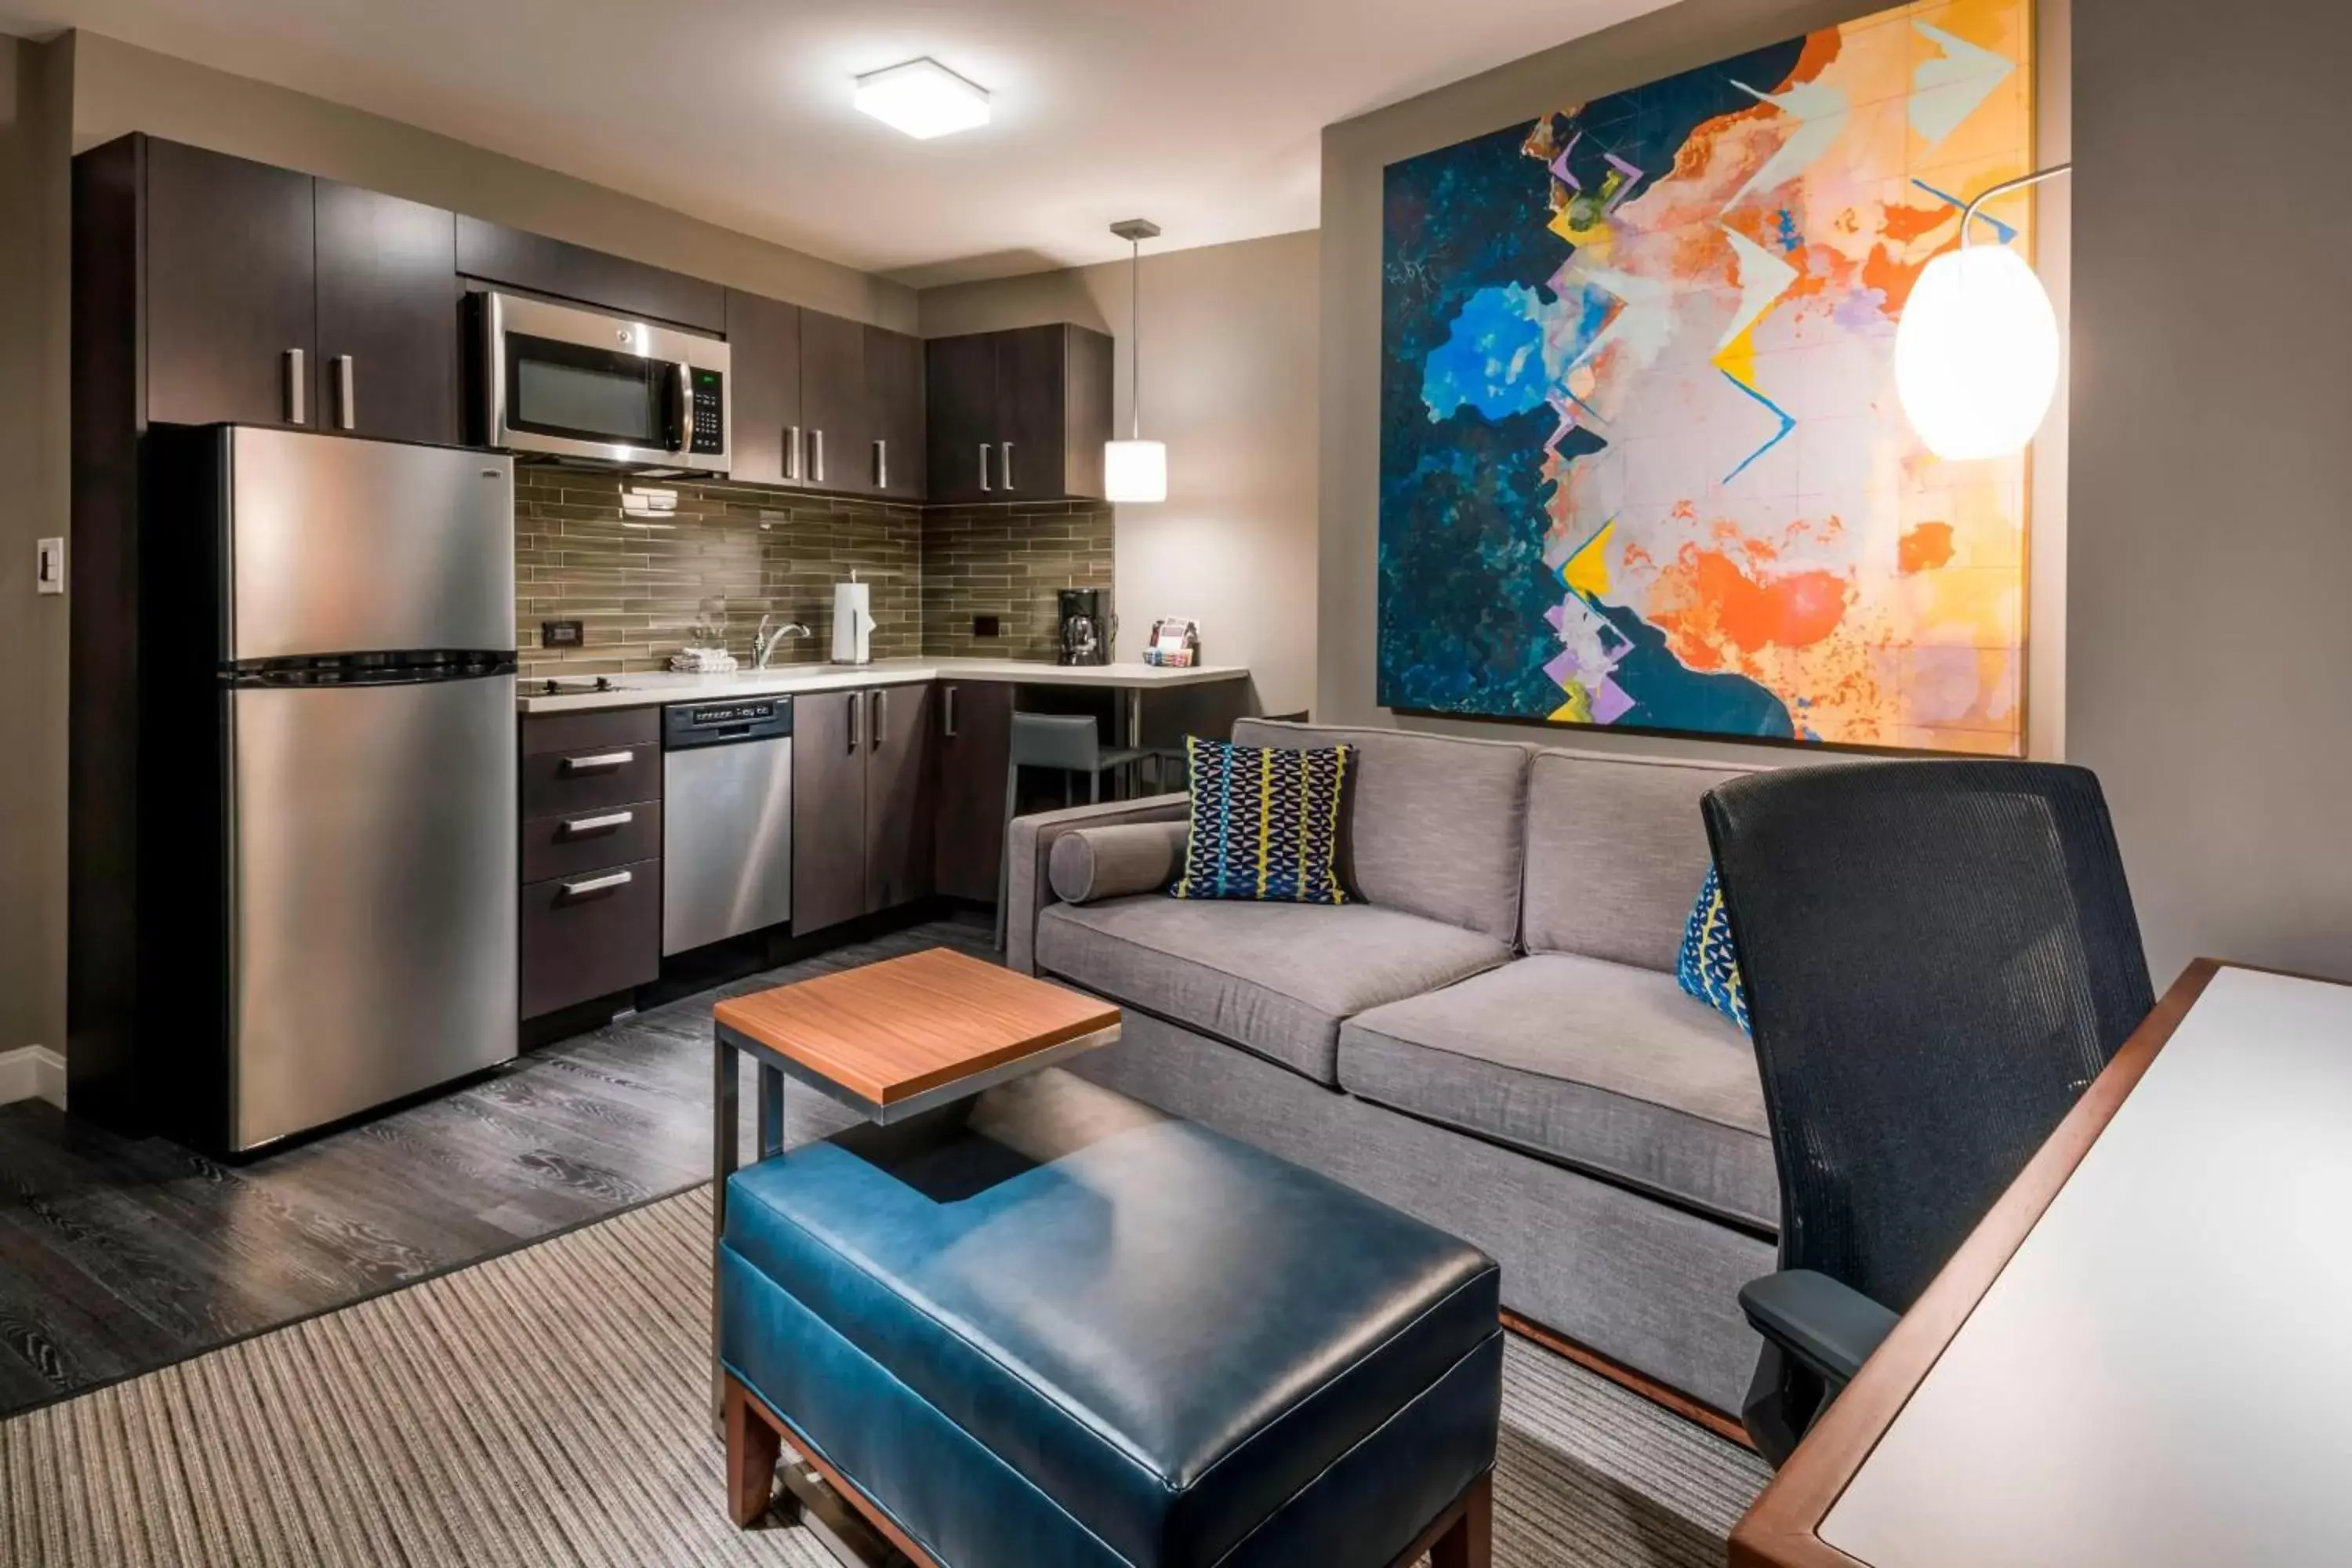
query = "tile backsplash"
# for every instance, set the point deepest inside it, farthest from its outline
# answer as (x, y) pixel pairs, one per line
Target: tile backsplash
(1006, 561)
(730, 554)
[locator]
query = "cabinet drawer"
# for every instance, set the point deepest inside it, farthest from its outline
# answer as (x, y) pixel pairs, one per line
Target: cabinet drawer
(589, 778)
(591, 731)
(589, 936)
(591, 840)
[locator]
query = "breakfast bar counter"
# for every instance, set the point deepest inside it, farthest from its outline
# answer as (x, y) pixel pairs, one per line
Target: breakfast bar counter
(655, 688)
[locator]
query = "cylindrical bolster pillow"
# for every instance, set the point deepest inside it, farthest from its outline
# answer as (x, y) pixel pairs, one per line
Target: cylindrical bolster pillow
(1091, 863)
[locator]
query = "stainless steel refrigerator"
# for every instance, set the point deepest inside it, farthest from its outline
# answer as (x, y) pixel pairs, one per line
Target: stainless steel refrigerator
(336, 665)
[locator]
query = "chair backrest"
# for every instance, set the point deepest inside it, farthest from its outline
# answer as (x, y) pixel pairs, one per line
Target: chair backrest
(1068, 741)
(1939, 956)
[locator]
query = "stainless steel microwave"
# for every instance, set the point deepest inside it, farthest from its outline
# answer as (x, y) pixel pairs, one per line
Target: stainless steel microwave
(579, 383)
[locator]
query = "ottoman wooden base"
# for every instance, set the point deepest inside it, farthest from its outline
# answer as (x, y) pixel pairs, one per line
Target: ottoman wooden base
(1461, 1537)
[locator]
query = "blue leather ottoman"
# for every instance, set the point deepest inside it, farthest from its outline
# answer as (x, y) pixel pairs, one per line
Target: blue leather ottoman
(1053, 1328)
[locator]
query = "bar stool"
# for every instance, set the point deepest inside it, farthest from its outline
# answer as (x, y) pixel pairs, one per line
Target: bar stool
(1070, 743)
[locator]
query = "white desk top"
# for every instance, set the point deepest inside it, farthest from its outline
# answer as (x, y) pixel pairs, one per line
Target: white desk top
(648, 691)
(2161, 1374)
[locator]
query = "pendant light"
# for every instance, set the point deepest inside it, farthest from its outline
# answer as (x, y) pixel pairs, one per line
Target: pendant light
(1976, 355)
(1135, 470)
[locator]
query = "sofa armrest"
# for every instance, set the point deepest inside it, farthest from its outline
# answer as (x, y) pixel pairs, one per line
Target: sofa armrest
(1091, 864)
(1028, 849)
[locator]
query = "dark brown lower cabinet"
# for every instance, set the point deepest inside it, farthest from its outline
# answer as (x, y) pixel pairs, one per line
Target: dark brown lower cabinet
(591, 842)
(975, 738)
(863, 787)
(828, 809)
(590, 935)
(898, 790)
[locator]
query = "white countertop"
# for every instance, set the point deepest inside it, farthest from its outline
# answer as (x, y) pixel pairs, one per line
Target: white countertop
(650, 689)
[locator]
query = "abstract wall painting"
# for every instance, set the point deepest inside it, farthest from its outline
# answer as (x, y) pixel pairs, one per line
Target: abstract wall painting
(1642, 460)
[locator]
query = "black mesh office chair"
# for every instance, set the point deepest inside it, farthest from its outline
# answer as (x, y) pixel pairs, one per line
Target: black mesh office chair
(1938, 956)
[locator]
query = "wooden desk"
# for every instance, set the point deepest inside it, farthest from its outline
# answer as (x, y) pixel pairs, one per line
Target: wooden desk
(2143, 1354)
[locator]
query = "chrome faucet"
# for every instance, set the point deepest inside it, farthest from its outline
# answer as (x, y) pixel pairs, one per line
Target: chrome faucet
(763, 641)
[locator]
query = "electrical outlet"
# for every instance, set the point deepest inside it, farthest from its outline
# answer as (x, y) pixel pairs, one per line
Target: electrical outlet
(563, 634)
(49, 566)
(987, 627)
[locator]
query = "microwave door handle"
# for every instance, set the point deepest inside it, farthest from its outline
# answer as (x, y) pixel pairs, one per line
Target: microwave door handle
(682, 409)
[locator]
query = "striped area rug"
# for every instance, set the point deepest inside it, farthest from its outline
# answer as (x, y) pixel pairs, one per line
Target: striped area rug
(551, 1407)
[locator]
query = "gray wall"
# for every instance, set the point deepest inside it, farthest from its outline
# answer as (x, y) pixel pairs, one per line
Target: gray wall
(2210, 642)
(1229, 383)
(35, 106)
(1355, 153)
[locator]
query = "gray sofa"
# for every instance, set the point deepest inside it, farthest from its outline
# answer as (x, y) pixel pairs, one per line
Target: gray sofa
(1491, 1040)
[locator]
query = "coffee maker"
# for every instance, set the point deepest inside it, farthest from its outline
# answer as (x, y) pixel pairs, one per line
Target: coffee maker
(1087, 626)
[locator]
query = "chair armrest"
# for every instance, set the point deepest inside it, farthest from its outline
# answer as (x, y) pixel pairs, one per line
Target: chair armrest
(1829, 1327)
(1028, 846)
(1096, 863)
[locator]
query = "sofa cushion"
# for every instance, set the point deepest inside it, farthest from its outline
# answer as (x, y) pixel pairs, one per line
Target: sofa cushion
(1090, 863)
(1435, 826)
(1275, 978)
(1616, 848)
(1604, 1066)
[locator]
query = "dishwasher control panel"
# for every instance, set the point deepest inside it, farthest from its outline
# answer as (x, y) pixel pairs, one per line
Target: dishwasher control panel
(690, 724)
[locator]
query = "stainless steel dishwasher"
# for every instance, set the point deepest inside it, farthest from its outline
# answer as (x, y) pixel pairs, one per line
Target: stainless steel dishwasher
(727, 819)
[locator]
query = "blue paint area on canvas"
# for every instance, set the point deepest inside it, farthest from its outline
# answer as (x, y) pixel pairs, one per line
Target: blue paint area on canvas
(1468, 377)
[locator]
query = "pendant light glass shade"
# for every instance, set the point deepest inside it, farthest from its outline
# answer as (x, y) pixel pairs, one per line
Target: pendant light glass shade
(1976, 355)
(1135, 470)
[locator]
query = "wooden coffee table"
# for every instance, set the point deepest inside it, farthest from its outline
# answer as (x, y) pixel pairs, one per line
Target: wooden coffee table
(889, 1040)
(893, 1039)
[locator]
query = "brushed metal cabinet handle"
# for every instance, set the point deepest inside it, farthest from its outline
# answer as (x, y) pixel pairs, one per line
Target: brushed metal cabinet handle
(603, 761)
(346, 409)
(881, 718)
(881, 464)
(792, 452)
(1004, 469)
(984, 485)
(816, 457)
(947, 711)
(604, 884)
(855, 708)
(297, 393)
(581, 826)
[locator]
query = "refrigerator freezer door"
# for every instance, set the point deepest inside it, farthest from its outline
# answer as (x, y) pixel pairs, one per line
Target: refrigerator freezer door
(347, 546)
(373, 895)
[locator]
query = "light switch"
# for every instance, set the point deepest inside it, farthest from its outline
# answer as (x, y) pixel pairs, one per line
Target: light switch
(49, 566)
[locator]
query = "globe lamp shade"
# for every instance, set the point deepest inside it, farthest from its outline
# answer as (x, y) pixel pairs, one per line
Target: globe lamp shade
(1976, 355)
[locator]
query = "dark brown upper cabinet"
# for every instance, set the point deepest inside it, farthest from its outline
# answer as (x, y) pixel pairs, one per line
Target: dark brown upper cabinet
(895, 413)
(1018, 416)
(267, 297)
(388, 324)
(836, 446)
(764, 361)
(231, 286)
(497, 253)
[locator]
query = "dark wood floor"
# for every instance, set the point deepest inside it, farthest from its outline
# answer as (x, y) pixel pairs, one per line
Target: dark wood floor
(118, 1256)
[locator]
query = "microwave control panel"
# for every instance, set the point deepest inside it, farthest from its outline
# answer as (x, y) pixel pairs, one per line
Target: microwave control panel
(710, 413)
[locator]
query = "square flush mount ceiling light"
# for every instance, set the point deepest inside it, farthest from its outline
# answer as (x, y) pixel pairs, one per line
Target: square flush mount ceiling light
(923, 99)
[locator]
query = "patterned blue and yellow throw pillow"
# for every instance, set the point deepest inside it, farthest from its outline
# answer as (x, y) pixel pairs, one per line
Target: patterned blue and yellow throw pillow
(1266, 823)
(1708, 967)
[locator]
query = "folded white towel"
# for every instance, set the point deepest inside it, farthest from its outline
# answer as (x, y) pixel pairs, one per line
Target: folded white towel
(703, 661)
